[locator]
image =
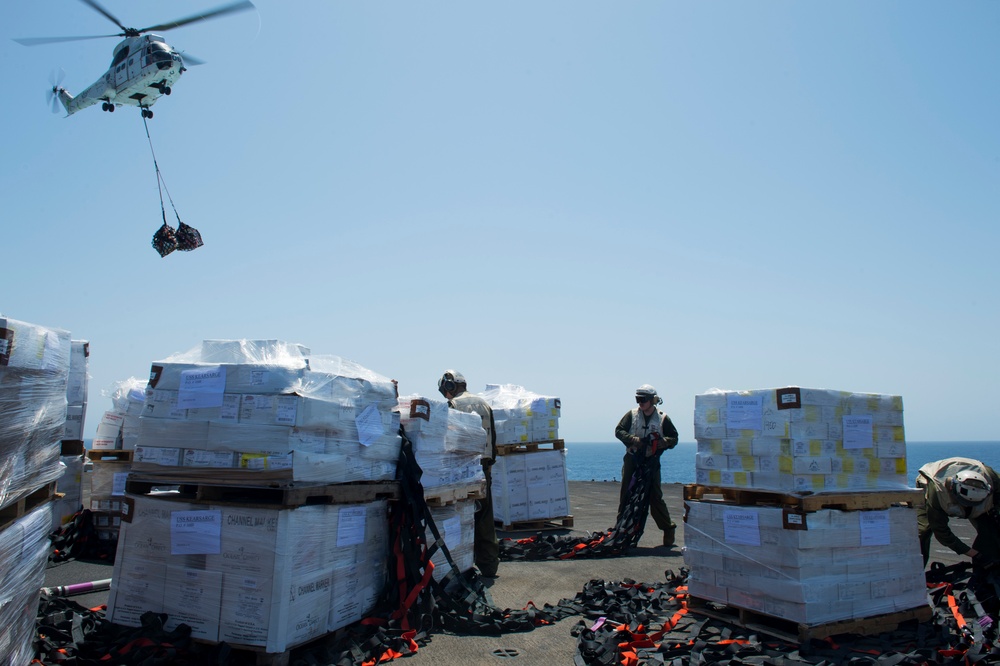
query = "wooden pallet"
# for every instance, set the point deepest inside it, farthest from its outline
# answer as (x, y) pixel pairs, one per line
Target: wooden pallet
(845, 500)
(110, 455)
(26, 503)
(286, 496)
(530, 447)
(541, 524)
(438, 497)
(796, 632)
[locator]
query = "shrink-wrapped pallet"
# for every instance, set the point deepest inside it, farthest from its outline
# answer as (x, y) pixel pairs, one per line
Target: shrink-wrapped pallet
(530, 486)
(813, 568)
(34, 371)
(522, 416)
(456, 526)
(24, 552)
(264, 577)
(799, 439)
(267, 410)
(447, 443)
(77, 390)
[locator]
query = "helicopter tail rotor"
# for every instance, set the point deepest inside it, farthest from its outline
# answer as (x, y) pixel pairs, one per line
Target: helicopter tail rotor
(55, 80)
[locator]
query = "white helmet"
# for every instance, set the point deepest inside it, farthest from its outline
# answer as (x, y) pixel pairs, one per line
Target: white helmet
(971, 487)
(646, 391)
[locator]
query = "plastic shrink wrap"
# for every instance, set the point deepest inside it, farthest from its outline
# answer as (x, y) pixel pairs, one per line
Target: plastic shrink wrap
(522, 416)
(447, 443)
(821, 567)
(800, 439)
(70, 483)
(271, 578)
(24, 552)
(267, 410)
(34, 371)
(530, 486)
(456, 527)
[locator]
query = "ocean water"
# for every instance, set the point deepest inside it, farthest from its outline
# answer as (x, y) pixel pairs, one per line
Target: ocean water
(602, 461)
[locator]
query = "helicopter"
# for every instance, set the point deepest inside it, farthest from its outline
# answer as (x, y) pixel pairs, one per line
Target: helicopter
(143, 69)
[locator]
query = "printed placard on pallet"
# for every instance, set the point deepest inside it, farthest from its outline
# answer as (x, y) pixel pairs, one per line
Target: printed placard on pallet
(802, 633)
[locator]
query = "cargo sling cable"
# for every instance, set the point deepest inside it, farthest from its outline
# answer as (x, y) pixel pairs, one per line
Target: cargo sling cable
(167, 239)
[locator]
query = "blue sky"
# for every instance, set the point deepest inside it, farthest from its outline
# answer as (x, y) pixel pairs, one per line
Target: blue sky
(575, 196)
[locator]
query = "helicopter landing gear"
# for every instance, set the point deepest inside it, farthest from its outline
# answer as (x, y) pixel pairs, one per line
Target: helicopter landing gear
(166, 91)
(146, 113)
(108, 106)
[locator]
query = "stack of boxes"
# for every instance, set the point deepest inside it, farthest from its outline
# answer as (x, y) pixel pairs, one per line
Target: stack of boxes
(111, 458)
(34, 374)
(107, 478)
(448, 446)
(528, 485)
(76, 390)
(272, 578)
(522, 416)
(794, 439)
(260, 413)
(267, 412)
(70, 484)
(817, 566)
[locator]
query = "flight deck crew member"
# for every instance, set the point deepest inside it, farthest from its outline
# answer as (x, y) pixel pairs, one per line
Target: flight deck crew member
(486, 549)
(647, 431)
(959, 488)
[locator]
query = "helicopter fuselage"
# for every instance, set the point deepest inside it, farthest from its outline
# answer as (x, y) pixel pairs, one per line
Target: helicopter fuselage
(143, 69)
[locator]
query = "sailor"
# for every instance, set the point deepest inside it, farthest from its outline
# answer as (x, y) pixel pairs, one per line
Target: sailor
(646, 431)
(959, 488)
(486, 549)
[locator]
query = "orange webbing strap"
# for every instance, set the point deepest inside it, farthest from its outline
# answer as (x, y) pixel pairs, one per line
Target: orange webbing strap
(953, 607)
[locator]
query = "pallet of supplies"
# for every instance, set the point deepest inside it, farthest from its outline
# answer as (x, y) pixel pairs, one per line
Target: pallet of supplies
(800, 439)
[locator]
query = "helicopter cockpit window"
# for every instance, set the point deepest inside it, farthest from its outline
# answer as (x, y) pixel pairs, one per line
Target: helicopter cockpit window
(120, 56)
(158, 51)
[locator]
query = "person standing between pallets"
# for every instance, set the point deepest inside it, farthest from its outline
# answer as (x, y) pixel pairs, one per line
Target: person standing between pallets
(485, 547)
(960, 488)
(647, 431)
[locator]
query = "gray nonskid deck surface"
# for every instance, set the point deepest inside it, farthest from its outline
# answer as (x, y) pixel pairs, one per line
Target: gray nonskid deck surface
(594, 506)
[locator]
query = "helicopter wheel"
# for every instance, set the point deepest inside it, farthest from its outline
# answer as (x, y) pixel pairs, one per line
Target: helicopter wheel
(166, 91)
(104, 107)
(146, 113)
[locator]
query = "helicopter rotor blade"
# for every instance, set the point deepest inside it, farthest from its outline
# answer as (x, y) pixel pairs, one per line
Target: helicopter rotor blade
(56, 77)
(53, 100)
(36, 41)
(105, 13)
(220, 11)
(190, 59)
